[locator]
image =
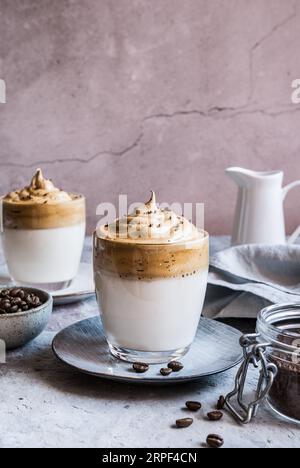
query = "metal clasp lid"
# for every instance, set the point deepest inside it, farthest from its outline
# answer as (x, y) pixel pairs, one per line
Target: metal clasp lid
(254, 354)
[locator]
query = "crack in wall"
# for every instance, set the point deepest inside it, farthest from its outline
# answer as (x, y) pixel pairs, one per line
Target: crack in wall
(119, 153)
(223, 113)
(232, 112)
(260, 42)
(216, 112)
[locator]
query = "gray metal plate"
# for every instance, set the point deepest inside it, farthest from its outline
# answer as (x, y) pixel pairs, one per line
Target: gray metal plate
(83, 347)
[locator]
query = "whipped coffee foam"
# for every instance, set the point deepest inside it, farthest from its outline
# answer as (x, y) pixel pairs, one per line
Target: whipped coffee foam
(41, 205)
(151, 243)
(150, 224)
(40, 190)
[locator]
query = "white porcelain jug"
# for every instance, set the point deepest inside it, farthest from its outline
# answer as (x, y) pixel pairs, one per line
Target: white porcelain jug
(259, 217)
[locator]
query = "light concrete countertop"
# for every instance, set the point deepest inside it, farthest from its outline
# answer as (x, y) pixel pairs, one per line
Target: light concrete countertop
(45, 404)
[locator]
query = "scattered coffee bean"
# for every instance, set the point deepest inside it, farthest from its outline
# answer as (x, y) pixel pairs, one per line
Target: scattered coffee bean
(165, 371)
(215, 415)
(140, 367)
(193, 405)
(185, 422)
(176, 366)
(221, 403)
(215, 441)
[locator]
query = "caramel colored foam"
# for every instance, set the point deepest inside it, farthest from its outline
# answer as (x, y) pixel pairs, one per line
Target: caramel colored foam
(151, 243)
(149, 261)
(40, 190)
(41, 205)
(43, 216)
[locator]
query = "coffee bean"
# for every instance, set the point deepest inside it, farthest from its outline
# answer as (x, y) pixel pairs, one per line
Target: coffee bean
(165, 371)
(215, 441)
(193, 405)
(176, 366)
(4, 292)
(221, 403)
(24, 308)
(185, 422)
(27, 298)
(140, 367)
(21, 294)
(6, 305)
(14, 309)
(16, 301)
(35, 301)
(14, 292)
(215, 415)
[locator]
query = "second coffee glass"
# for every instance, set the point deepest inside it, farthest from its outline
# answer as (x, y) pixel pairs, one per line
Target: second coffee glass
(43, 231)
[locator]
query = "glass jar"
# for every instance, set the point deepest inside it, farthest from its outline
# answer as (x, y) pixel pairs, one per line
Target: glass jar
(275, 348)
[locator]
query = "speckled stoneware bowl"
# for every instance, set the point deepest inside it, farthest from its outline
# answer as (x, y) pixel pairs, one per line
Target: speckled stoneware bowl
(20, 328)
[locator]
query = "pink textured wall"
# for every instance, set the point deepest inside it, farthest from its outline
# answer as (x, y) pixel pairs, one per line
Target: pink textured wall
(121, 96)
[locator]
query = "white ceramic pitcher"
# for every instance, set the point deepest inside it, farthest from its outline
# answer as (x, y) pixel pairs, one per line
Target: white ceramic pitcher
(259, 217)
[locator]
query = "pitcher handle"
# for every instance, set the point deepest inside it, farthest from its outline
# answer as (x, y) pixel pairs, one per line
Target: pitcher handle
(292, 239)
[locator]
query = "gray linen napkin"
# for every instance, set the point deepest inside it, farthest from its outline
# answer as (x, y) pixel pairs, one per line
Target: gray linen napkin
(249, 277)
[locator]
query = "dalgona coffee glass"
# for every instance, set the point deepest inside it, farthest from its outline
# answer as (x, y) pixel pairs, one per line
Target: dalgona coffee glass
(150, 272)
(43, 230)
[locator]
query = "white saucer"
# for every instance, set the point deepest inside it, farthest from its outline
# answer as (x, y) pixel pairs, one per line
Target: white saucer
(82, 287)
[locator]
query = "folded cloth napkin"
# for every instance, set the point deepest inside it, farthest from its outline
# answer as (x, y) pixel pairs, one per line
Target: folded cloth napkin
(255, 276)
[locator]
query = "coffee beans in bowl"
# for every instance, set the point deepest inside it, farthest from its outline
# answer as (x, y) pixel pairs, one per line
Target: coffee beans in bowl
(24, 313)
(15, 300)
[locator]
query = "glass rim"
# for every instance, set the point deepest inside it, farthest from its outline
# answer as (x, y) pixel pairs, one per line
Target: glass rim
(79, 197)
(266, 325)
(132, 242)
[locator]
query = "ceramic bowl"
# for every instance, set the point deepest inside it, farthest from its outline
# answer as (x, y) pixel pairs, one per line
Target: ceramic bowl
(18, 329)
